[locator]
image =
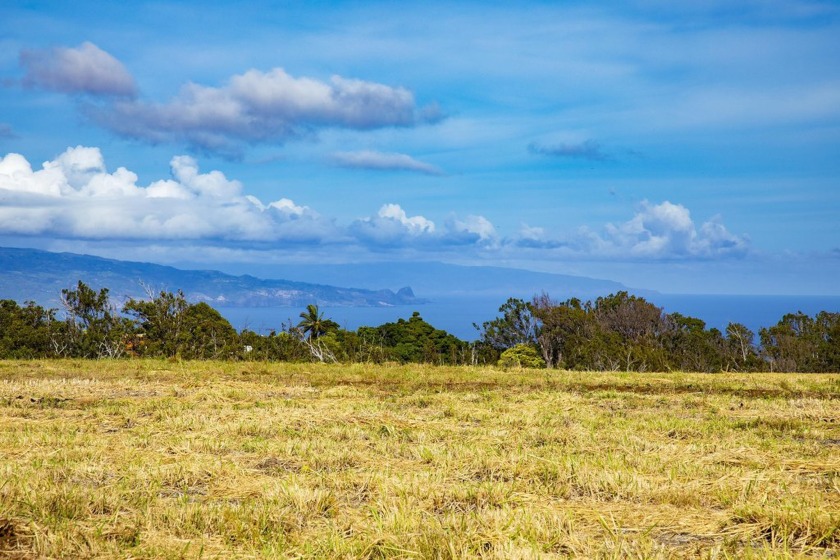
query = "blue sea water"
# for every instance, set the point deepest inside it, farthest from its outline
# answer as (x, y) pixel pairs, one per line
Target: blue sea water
(457, 315)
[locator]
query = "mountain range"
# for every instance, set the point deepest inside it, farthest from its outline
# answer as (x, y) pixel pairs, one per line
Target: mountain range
(30, 274)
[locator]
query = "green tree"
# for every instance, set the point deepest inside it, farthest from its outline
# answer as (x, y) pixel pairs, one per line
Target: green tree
(517, 325)
(640, 327)
(566, 332)
(25, 332)
(741, 352)
(160, 321)
(206, 335)
(93, 327)
(800, 343)
(691, 347)
(168, 325)
(417, 341)
(313, 324)
(827, 326)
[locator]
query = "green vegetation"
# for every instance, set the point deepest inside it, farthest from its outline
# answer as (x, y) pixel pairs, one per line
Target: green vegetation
(521, 355)
(173, 459)
(619, 332)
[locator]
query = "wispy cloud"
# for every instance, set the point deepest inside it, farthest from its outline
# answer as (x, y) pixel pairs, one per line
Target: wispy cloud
(84, 69)
(588, 150)
(383, 161)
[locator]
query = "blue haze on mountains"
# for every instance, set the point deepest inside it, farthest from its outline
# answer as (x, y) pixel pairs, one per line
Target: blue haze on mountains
(450, 297)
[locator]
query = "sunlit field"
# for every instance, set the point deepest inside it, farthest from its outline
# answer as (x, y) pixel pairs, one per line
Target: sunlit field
(163, 459)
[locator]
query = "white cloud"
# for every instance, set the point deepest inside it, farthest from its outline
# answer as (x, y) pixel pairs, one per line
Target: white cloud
(416, 225)
(391, 226)
(368, 159)
(533, 237)
(667, 230)
(74, 196)
(16, 175)
(257, 107)
(656, 231)
(83, 69)
(472, 229)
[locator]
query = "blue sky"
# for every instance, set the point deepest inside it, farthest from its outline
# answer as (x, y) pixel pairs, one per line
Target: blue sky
(682, 147)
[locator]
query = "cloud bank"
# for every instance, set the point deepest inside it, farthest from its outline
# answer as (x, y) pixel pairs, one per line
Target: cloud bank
(85, 69)
(74, 196)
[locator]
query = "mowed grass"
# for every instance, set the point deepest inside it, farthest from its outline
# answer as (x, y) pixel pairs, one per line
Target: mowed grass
(157, 459)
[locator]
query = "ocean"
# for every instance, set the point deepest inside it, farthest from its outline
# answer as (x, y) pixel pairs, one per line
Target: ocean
(457, 315)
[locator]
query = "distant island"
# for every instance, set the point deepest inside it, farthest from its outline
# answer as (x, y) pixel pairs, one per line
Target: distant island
(39, 276)
(34, 275)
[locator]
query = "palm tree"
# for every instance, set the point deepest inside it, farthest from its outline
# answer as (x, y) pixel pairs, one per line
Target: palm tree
(312, 322)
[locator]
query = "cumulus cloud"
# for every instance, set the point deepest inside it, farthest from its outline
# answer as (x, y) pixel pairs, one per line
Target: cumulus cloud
(75, 196)
(667, 230)
(472, 229)
(532, 237)
(257, 107)
(588, 150)
(656, 231)
(84, 69)
(393, 226)
(383, 161)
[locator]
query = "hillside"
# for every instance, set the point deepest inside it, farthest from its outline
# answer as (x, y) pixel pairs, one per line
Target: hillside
(443, 280)
(29, 274)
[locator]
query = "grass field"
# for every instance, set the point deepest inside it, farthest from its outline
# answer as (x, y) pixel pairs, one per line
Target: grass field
(157, 459)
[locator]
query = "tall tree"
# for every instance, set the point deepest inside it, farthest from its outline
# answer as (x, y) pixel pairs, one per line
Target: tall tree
(517, 325)
(312, 323)
(160, 319)
(25, 332)
(94, 328)
(741, 351)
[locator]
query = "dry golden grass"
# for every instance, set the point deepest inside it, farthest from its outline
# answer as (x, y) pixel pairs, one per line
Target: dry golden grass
(156, 459)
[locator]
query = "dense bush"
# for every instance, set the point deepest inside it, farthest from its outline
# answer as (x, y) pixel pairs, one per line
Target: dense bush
(521, 356)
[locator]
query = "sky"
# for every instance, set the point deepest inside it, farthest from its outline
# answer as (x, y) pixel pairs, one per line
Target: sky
(685, 147)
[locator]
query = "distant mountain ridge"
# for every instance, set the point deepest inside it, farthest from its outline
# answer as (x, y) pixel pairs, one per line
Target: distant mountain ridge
(436, 280)
(31, 274)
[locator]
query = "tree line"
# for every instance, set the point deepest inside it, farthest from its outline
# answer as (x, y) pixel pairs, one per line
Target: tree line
(615, 332)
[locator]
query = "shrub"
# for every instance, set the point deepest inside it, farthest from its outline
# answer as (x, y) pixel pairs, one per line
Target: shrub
(521, 356)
